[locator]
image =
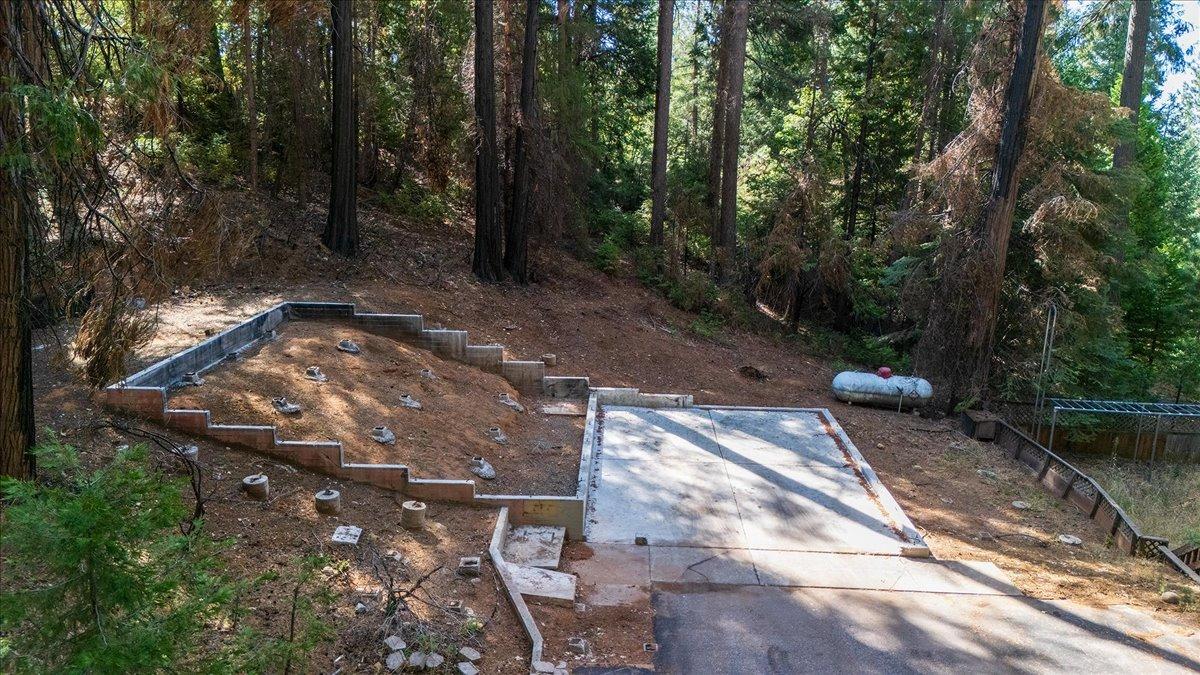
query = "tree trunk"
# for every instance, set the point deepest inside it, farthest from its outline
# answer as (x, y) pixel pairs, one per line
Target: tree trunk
(738, 10)
(16, 355)
(341, 229)
(662, 107)
(955, 350)
(712, 195)
(516, 244)
(1133, 76)
(933, 82)
(486, 262)
(251, 113)
(864, 124)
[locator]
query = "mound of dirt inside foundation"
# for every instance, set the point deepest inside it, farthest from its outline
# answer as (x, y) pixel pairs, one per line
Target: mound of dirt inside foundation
(458, 407)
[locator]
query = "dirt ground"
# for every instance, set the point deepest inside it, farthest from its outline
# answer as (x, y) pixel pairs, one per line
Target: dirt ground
(458, 407)
(620, 334)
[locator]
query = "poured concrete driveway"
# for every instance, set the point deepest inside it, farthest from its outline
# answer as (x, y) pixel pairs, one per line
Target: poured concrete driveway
(771, 547)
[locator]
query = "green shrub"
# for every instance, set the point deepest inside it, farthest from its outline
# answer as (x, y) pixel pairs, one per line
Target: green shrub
(708, 326)
(692, 291)
(606, 256)
(97, 576)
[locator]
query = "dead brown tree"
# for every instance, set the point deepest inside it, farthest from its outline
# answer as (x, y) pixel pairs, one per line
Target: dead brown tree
(955, 349)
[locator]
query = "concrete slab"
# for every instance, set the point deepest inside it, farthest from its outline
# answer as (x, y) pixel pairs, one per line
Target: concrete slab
(774, 437)
(701, 565)
(535, 545)
(757, 629)
(614, 564)
(881, 573)
(683, 435)
(800, 507)
(544, 586)
(687, 503)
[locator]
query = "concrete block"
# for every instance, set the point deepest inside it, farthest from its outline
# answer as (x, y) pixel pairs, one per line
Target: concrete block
(485, 357)
(438, 489)
(191, 421)
(543, 586)
(524, 375)
(255, 437)
(445, 343)
(565, 387)
(323, 456)
(535, 545)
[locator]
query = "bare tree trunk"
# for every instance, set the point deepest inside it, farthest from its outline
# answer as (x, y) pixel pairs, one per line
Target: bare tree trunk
(712, 195)
(251, 113)
(341, 229)
(516, 244)
(662, 107)
(486, 262)
(738, 10)
(955, 350)
(1133, 77)
(933, 81)
(16, 356)
(864, 124)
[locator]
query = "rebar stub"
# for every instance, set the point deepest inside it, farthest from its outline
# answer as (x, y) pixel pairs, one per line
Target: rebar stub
(314, 373)
(382, 434)
(256, 487)
(328, 501)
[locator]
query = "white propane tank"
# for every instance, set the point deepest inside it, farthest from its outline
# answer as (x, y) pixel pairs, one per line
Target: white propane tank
(896, 391)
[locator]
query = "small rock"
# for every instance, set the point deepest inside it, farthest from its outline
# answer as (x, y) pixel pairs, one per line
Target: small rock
(987, 473)
(879, 446)
(360, 608)
(1020, 505)
(417, 659)
(751, 372)
(470, 653)
(434, 660)
(394, 643)
(1070, 540)
(1170, 597)
(395, 661)
(349, 346)
(467, 668)
(580, 608)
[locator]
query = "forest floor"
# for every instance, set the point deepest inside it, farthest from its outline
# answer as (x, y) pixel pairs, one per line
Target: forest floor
(619, 333)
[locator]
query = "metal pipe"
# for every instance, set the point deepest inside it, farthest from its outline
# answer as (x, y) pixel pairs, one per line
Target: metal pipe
(1053, 424)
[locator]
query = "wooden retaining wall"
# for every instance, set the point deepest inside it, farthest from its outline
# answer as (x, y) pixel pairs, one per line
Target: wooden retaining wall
(1064, 480)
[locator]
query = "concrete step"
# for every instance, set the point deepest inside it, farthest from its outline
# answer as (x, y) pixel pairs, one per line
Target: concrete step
(535, 545)
(540, 586)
